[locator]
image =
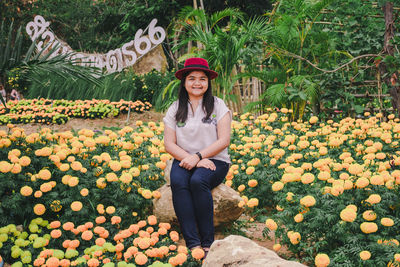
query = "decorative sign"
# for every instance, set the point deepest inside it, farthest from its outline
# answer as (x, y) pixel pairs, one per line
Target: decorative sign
(114, 60)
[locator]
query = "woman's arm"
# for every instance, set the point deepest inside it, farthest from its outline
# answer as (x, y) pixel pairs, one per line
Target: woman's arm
(224, 138)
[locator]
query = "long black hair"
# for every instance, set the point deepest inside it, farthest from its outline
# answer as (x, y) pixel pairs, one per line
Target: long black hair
(183, 100)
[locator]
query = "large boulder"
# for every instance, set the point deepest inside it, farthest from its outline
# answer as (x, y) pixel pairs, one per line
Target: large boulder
(240, 251)
(225, 199)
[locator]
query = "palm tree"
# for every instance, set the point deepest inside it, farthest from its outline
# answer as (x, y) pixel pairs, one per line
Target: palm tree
(32, 63)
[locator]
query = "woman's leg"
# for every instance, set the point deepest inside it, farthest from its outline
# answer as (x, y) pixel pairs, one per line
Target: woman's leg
(183, 204)
(201, 183)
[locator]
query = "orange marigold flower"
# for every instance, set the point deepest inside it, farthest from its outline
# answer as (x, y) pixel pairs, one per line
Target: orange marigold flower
(76, 205)
(152, 220)
(68, 226)
(198, 253)
(322, 260)
(44, 174)
(115, 219)
(52, 262)
(55, 224)
(39, 209)
(24, 161)
(55, 233)
(252, 183)
(93, 262)
(277, 186)
(26, 191)
(100, 219)
(87, 235)
(140, 259)
(271, 224)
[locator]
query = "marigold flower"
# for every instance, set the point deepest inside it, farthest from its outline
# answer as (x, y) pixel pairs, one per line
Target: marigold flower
(362, 182)
(271, 224)
(55, 224)
(100, 219)
(84, 192)
(26, 191)
(110, 209)
(368, 227)
(76, 205)
(298, 218)
(307, 178)
(348, 215)
(308, 201)
(52, 262)
(252, 183)
(115, 219)
(24, 161)
(387, 222)
(56, 233)
(374, 199)
(365, 255)
(322, 260)
(152, 220)
(44, 174)
(39, 209)
(198, 253)
(277, 186)
(68, 226)
(87, 235)
(140, 259)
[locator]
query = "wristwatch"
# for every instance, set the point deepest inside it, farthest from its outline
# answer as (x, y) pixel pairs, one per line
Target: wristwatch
(199, 155)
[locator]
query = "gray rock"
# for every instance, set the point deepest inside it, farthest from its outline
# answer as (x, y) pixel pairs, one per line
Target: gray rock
(235, 251)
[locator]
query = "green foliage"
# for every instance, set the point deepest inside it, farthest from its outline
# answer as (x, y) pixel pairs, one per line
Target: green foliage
(125, 85)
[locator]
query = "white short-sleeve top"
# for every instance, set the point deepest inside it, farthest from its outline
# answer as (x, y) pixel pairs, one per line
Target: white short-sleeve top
(198, 133)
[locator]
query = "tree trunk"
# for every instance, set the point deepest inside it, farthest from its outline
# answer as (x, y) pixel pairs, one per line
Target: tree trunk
(389, 50)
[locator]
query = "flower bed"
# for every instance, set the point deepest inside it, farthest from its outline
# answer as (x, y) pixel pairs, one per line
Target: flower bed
(329, 190)
(59, 111)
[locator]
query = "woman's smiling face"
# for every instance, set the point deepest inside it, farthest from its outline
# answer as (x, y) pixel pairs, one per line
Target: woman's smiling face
(196, 84)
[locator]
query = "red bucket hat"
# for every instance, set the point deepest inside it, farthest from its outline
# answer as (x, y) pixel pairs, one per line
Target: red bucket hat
(195, 63)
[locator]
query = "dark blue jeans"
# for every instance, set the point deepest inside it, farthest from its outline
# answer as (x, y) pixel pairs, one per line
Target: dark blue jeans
(193, 203)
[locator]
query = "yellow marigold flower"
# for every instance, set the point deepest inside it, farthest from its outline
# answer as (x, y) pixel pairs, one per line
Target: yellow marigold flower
(241, 187)
(84, 192)
(294, 237)
(368, 227)
(355, 169)
(76, 205)
(307, 178)
(348, 215)
(308, 201)
(253, 202)
(377, 180)
(146, 194)
(374, 199)
(289, 196)
(110, 209)
(271, 224)
(298, 218)
(365, 255)
(313, 120)
(322, 260)
(115, 165)
(250, 170)
(352, 206)
(277, 186)
(324, 175)
(44, 174)
(24, 161)
(369, 215)
(362, 182)
(134, 171)
(5, 166)
(387, 222)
